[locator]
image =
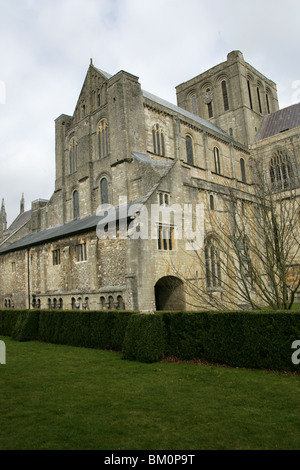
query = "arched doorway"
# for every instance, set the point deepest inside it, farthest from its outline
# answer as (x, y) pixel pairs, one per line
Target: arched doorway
(169, 294)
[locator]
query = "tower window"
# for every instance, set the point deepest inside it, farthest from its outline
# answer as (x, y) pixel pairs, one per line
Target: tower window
(249, 93)
(211, 203)
(225, 96)
(259, 101)
(208, 101)
(268, 103)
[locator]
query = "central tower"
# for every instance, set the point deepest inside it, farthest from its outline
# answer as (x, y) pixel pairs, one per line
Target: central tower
(233, 95)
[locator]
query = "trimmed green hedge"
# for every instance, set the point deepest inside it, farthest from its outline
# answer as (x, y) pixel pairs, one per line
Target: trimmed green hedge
(238, 339)
(144, 338)
(89, 329)
(26, 326)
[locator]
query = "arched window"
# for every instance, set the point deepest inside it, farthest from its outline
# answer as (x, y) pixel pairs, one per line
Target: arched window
(249, 93)
(189, 150)
(259, 100)
(73, 157)
(217, 160)
(104, 191)
(243, 170)
(110, 302)
(85, 304)
(211, 203)
(102, 303)
(268, 103)
(102, 133)
(225, 95)
(75, 204)
(194, 103)
(208, 101)
(120, 303)
(158, 140)
(212, 264)
(281, 171)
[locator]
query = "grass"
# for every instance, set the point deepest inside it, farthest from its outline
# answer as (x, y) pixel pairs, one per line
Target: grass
(60, 397)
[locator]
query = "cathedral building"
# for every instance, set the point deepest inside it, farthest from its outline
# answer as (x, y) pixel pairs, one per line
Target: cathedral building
(100, 242)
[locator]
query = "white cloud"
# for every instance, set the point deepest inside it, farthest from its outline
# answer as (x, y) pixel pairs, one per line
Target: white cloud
(46, 47)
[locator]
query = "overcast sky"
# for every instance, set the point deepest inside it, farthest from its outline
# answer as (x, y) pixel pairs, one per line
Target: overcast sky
(45, 51)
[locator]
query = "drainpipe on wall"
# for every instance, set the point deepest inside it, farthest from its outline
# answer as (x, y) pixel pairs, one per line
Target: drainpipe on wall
(28, 277)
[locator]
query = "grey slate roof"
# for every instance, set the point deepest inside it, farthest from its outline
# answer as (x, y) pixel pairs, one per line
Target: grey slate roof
(280, 121)
(187, 114)
(85, 224)
(20, 220)
(105, 74)
(146, 159)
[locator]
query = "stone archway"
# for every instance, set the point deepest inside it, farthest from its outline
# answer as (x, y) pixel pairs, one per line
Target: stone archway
(169, 294)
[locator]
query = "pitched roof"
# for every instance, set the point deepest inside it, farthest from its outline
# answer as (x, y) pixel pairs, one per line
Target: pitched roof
(280, 121)
(187, 114)
(85, 224)
(20, 220)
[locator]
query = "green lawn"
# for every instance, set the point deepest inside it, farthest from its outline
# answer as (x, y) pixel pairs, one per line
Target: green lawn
(61, 397)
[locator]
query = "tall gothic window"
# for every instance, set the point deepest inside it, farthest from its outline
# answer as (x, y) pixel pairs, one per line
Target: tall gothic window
(243, 170)
(217, 161)
(189, 150)
(259, 100)
(165, 238)
(158, 140)
(75, 204)
(281, 171)
(212, 265)
(102, 132)
(73, 157)
(249, 93)
(225, 95)
(194, 104)
(104, 191)
(268, 103)
(208, 100)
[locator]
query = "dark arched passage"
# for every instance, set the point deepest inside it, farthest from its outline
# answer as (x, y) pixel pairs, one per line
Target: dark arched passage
(169, 294)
